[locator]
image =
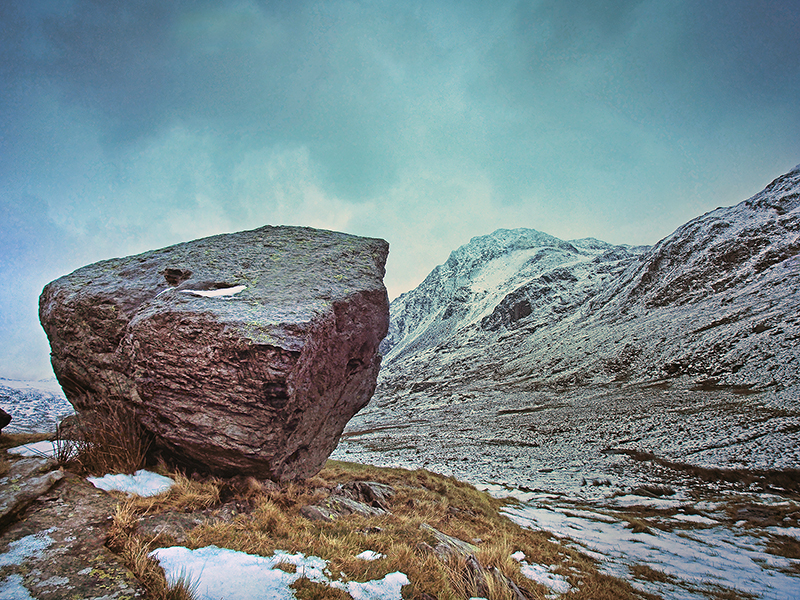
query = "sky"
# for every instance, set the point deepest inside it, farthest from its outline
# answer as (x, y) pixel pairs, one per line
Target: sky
(129, 126)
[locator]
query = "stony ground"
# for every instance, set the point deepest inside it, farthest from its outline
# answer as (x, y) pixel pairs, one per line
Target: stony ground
(640, 474)
(57, 548)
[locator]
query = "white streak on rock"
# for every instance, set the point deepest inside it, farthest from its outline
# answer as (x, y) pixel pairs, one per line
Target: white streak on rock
(231, 291)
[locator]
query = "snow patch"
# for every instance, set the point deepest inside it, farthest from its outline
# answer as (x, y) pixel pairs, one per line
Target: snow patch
(541, 574)
(696, 519)
(630, 500)
(785, 531)
(231, 291)
(30, 545)
(370, 555)
(13, 589)
(44, 449)
(222, 573)
(387, 588)
(142, 483)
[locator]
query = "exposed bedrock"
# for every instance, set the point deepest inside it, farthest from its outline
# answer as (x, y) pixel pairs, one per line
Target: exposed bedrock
(241, 353)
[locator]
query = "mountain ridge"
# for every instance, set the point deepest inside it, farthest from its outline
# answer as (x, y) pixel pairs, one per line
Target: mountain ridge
(716, 301)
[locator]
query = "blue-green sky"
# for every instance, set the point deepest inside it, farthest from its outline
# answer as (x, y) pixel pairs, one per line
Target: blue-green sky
(126, 126)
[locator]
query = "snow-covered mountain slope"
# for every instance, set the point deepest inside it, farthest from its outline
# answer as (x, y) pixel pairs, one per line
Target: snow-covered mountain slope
(34, 406)
(717, 301)
(497, 281)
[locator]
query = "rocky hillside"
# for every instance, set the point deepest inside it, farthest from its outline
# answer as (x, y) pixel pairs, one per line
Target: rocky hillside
(35, 406)
(717, 301)
(500, 281)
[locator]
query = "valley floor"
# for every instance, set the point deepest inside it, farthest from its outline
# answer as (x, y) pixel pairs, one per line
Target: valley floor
(689, 493)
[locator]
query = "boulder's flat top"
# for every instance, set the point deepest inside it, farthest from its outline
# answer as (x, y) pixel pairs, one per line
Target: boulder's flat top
(254, 279)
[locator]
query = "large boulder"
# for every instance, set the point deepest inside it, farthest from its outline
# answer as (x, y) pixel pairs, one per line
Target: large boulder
(237, 353)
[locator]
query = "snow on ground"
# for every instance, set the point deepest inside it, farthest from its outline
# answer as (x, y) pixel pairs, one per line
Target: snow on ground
(694, 560)
(387, 588)
(786, 531)
(43, 449)
(30, 545)
(370, 555)
(220, 573)
(541, 574)
(11, 588)
(657, 503)
(696, 519)
(142, 483)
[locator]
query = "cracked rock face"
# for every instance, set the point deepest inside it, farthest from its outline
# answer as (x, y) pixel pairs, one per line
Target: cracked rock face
(238, 353)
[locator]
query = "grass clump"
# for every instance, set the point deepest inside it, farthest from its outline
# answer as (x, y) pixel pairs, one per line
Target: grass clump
(646, 573)
(185, 495)
(637, 525)
(274, 522)
(108, 440)
(135, 552)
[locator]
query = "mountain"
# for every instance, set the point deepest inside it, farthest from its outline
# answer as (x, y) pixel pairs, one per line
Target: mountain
(34, 406)
(716, 303)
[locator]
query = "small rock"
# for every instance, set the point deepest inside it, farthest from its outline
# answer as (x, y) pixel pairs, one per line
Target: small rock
(319, 513)
(449, 545)
(348, 506)
(27, 479)
(5, 419)
(368, 492)
(343, 502)
(176, 526)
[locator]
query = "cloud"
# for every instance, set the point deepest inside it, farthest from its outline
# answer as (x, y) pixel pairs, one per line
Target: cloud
(282, 186)
(129, 126)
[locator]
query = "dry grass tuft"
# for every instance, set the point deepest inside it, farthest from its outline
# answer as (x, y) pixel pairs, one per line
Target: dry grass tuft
(645, 573)
(135, 553)
(637, 525)
(108, 440)
(450, 506)
(184, 496)
(305, 589)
